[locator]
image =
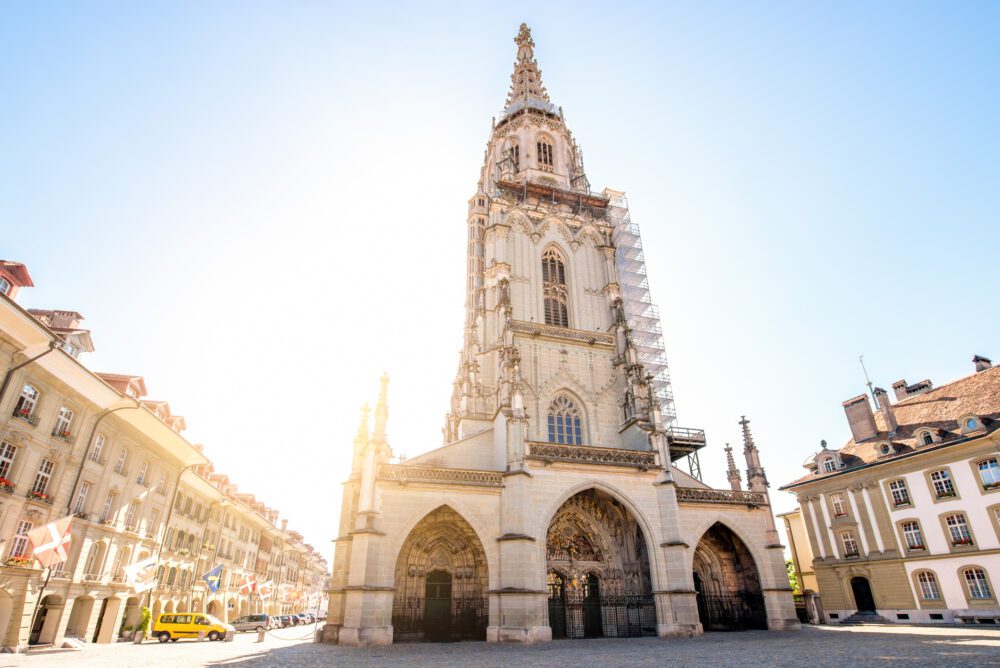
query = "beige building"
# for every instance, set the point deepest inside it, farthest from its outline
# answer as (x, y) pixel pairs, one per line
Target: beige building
(90, 444)
(903, 522)
(553, 507)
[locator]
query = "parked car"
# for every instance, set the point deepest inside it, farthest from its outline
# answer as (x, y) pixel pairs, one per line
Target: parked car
(253, 623)
(173, 626)
(286, 620)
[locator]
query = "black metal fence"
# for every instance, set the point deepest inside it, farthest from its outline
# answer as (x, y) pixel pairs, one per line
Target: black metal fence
(622, 616)
(419, 619)
(732, 612)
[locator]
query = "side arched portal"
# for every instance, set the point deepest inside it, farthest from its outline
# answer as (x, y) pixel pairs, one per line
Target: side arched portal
(441, 582)
(727, 583)
(598, 570)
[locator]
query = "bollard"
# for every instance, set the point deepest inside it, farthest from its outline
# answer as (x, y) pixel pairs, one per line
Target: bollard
(201, 636)
(260, 635)
(230, 636)
(138, 637)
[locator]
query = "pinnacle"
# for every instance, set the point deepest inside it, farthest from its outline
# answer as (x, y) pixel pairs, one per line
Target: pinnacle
(526, 81)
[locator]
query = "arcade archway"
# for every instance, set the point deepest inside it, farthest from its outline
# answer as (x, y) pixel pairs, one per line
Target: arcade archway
(441, 582)
(726, 583)
(598, 574)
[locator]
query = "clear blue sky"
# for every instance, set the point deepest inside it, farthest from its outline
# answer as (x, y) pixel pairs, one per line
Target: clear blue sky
(261, 206)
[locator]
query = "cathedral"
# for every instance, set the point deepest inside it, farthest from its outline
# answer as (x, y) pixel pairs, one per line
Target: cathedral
(556, 506)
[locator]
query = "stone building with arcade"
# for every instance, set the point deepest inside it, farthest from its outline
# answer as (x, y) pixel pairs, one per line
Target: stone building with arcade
(554, 507)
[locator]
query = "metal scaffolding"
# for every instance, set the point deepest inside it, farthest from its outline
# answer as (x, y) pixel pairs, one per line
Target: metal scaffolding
(643, 316)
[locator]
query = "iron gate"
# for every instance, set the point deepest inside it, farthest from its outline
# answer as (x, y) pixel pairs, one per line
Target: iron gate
(460, 619)
(732, 612)
(611, 616)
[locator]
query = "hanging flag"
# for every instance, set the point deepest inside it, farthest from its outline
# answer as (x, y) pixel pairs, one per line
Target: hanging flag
(141, 575)
(249, 584)
(50, 543)
(213, 578)
(265, 589)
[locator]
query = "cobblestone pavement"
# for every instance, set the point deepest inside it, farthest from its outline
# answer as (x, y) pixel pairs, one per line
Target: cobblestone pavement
(813, 646)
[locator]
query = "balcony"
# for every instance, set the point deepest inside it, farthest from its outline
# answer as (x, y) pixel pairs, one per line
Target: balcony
(35, 495)
(27, 416)
(61, 575)
(92, 577)
(119, 580)
(586, 454)
(81, 515)
(63, 435)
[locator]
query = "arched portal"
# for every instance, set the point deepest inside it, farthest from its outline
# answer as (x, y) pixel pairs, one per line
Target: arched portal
(441, 582)
(598, 570)
(726, 583)
(244, 608)
(864, 599)
(79, 616)
(46, 622)
(133, 613)
(213, 608)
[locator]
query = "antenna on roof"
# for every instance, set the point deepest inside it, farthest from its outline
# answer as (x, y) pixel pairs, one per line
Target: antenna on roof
(868, 381)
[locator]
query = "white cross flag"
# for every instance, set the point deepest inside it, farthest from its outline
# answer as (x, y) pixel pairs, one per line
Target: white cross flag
(50, 543)
(141, 575)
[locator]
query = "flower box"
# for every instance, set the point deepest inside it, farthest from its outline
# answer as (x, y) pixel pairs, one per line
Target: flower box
(6, 485)
(80, 515)
(851, 555)
(19, 562)
(991, 485)
(40, 496)
(913, 548)
(26, 416)
(962, 541)
(946, 495)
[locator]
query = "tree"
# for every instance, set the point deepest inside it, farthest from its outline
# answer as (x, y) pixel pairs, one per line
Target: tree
(793, 578)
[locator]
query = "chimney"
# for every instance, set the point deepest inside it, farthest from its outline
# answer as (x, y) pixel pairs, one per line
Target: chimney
(904, 391)
(885, 408)
(899, 387)
(860, 418)
(982, 363)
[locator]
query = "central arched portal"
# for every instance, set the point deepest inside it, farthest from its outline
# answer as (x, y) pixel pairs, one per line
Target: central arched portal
(726, 583)
(441, 582)
(598, 571)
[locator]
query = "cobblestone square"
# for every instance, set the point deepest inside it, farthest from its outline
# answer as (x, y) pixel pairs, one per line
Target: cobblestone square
(812, 646)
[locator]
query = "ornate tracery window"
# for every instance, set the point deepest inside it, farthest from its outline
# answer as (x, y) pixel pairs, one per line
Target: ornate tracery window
(565, 425)
(554, 288)
(545, 159)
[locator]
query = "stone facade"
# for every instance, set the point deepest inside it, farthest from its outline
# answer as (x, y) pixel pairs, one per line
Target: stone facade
(904, 520)
(553, 507)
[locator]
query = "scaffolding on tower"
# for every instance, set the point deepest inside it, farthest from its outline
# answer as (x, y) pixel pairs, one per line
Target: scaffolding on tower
(643, 316)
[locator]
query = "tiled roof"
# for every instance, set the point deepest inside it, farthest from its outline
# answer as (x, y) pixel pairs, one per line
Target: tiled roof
(939, 409)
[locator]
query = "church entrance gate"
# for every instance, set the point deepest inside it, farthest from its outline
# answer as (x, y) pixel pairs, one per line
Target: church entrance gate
(727, 584)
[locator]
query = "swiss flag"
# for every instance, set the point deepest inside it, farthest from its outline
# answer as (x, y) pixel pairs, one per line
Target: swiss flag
(265, 589)
(249, 584)
(50, 543)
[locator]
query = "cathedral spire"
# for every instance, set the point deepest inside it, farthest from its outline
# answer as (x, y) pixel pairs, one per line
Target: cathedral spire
(756, 480)
(381, 410)
(733, 473)
(526, 82)
(362, 435)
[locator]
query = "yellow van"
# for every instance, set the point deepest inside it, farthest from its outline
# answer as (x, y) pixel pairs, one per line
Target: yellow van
(176, 625)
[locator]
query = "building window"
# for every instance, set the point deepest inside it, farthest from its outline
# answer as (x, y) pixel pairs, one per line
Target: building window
(109, 508)
(943, 486)
(154, 517)
(564, 422)
(958, 527)
(162, 485)
(7, 452)
(829, 466)
(929, 589)
(900, 494)
(545, 160)
(143, 471)
(4, 286)
(19, 546)
(850, 543)
(81, 497)
(43, 477)
(914, 538)
(989, 473)
(132, 516)
(839, 506)
(122, 461)
(95, 453)
(554, 288)
(515, 154)
(975, 579)
(26, 403)
(63, 423)
(927, 439)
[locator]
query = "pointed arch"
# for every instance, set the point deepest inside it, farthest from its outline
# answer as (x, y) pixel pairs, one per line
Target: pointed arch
(555, 292)
(564, 420)
(727, 582)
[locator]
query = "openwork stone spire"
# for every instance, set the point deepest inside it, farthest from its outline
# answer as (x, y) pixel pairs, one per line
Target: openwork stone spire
(381, 410)
(756, 480)
(526, 82)
(733, 473)
(362, 435)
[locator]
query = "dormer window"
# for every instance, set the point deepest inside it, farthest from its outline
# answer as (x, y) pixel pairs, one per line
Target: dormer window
(926, 438)
(829, 466)
(4, 286)
(970, 423)
(885, 448)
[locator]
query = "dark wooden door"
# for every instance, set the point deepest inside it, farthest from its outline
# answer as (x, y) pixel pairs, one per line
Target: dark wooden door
(592, 626)
(557, 604)
(437, 606)
(863, 596)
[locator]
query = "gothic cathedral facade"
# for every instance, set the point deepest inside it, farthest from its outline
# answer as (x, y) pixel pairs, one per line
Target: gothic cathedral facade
(554, 508)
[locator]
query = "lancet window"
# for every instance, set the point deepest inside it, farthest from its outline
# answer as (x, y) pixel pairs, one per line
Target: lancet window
(565, 424)
(554, 288)
(545, 160)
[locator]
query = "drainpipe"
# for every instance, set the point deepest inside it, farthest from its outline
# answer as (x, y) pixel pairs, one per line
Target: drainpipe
(86, 453)
(53, 345)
